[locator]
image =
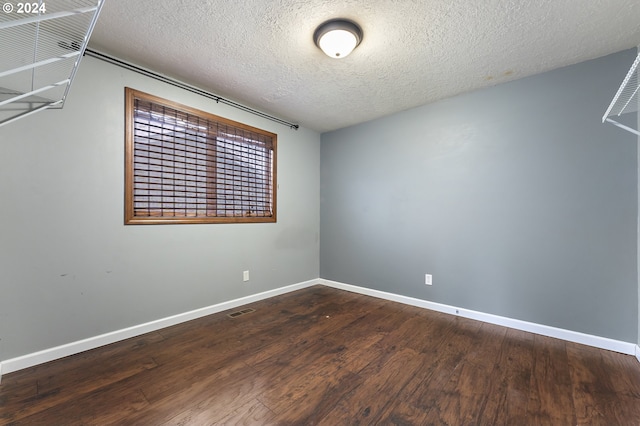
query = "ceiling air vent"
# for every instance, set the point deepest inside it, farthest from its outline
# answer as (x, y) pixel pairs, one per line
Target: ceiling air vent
(42, 45)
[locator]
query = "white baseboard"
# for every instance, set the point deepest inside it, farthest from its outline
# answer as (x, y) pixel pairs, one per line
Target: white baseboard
(73, 348)
(559, 333)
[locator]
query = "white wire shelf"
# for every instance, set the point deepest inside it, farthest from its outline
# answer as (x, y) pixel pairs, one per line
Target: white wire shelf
(626, 99)
(41, 49)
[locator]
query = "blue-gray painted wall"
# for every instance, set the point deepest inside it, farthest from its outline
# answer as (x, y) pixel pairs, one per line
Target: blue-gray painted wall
(517, 199)
(69, 267)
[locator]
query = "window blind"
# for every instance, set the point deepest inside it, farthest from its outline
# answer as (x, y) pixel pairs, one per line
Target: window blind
(190, 166)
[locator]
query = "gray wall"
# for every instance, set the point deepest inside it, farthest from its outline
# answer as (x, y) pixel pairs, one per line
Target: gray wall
(70, 269)
(516, 198)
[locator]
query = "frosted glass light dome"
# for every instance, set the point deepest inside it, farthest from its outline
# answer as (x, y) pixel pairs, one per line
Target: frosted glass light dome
(337, 38)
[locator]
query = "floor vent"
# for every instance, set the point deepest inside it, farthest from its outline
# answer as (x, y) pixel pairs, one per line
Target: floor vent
(241, 312)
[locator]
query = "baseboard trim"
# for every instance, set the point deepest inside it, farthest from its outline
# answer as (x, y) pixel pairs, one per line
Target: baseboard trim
(30, 360)
(545, 330)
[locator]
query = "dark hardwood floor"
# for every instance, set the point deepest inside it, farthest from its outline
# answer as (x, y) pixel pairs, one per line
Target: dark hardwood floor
(330, 357)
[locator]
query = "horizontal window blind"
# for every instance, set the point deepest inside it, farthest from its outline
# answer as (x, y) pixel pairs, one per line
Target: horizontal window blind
(188, 166)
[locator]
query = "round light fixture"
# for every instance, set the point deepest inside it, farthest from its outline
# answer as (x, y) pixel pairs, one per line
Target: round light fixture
(338, 37)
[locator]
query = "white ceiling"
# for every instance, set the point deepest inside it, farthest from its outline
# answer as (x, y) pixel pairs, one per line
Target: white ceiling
(261, 53)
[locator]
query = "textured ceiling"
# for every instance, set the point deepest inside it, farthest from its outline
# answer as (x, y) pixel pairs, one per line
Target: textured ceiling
(261, 53)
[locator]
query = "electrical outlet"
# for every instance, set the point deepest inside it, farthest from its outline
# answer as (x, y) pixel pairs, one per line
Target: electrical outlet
(245, 276)
(428, 280)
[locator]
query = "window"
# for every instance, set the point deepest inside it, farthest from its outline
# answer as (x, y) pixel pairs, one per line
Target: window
(183, 165)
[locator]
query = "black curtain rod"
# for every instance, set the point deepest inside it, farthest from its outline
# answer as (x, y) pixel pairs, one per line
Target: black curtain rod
(185, 86)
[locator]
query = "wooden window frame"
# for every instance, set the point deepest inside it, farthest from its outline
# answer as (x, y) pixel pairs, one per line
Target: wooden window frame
(267, 211)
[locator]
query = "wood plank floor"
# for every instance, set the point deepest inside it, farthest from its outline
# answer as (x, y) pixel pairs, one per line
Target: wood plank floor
(329, 357)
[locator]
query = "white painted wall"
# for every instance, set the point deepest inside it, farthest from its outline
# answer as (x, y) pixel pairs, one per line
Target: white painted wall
(70, 269)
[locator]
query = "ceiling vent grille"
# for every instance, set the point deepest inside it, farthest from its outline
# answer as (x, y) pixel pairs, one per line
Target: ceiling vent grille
(626, 99)
(42, 45)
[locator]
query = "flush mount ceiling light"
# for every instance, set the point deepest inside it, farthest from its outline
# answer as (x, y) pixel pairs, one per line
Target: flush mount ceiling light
(338, 37)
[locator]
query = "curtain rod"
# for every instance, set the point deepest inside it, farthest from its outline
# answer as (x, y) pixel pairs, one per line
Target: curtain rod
(173, 82)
